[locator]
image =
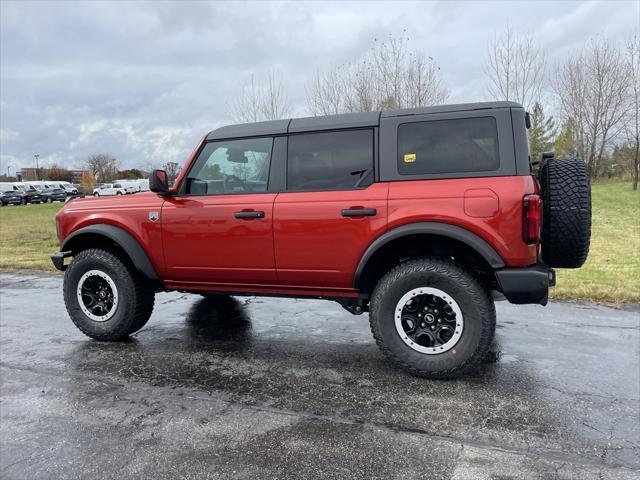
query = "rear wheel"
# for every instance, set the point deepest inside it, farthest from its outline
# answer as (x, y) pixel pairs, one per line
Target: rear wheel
(432, 318)
(105, 298)
(96, 194)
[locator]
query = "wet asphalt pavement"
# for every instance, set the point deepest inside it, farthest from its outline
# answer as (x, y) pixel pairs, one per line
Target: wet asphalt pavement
(275, 388)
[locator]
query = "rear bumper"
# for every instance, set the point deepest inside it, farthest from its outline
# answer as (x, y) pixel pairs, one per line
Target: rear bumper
(526, 285)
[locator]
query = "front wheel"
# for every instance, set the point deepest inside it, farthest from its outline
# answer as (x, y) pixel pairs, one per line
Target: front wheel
(49, 200)
(432, 318)
(105, 298)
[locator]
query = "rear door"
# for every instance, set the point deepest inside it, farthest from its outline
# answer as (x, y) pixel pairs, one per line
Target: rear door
(330, 211)
(218, 228)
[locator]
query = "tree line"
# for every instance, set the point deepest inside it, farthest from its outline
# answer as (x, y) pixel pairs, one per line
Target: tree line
(98, 167)
(594, 92)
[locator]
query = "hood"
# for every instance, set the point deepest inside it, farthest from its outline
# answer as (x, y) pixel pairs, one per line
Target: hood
(140, 200)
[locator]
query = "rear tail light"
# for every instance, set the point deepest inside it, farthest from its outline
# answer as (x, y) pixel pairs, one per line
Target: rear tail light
(532, 218)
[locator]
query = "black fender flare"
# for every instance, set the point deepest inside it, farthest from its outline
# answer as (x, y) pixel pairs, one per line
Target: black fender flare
(470, 239)
(121, 237)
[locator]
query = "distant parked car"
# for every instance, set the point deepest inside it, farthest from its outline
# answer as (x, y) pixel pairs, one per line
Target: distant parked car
(28, 193)
(31, 193)
(109, 189)
(11, 197)
(50, 195)
(130, 186)
(143, 185)
(68, 188)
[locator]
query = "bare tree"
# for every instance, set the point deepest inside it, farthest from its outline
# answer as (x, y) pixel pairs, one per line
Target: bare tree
(327, 94)
(255, 104)
(172, 169)
(388, 76)
(516, 68)
(56, 172)
(103, 166)
(633, 123)
(592, 88)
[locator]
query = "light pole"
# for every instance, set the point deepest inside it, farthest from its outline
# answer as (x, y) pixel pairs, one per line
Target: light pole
(36, 156)
(8, 173)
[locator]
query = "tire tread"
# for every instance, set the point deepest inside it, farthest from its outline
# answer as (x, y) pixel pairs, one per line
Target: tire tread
(566, 204)
(447, 268)
(142, 302)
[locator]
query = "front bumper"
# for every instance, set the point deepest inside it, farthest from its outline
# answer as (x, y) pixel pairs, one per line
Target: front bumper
(58, 260)
(526, 285)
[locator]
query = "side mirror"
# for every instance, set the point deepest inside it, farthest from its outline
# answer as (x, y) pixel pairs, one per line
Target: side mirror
(158, 181)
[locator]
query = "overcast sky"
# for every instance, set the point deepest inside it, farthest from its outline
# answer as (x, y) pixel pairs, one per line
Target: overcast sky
(144, 81)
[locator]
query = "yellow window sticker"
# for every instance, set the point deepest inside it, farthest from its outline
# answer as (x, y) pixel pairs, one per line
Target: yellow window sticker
(409, 157)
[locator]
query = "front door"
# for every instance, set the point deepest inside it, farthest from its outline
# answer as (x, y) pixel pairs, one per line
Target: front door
(331, 210)
(218, 228)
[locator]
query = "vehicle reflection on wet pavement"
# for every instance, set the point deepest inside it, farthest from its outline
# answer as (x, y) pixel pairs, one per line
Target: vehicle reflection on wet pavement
(223, 387)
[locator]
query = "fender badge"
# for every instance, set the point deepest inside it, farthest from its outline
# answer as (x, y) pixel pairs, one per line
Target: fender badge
(153, 216)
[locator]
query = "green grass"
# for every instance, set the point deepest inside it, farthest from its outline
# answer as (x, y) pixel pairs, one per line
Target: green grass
(28, 236)
(612, 271)
(611, 274)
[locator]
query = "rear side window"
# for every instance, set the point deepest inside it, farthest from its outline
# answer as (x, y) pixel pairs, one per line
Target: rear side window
(330, 160)
(448, 146)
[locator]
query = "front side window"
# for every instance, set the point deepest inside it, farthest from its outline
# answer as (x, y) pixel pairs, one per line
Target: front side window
(231, 166)
(330, 160)
(448, 146)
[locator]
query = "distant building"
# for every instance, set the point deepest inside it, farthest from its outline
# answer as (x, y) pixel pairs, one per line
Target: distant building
(31, 174)
(27, 175)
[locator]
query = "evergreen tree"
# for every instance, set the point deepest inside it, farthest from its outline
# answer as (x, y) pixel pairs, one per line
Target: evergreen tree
(566, 143)
(541, 133)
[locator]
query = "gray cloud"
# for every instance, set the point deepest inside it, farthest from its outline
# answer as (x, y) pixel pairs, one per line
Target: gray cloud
(144, 81)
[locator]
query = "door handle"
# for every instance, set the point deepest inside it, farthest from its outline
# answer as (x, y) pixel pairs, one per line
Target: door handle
(359, 212)
(250, 214)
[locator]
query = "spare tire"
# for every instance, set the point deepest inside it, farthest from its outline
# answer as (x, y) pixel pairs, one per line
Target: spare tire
(566, 212)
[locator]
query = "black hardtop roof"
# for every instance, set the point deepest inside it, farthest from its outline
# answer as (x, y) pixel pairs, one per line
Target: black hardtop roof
(344, 120)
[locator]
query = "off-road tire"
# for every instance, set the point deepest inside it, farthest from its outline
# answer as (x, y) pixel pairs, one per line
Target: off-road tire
(566, 212)
(135, 296)
(473, 299)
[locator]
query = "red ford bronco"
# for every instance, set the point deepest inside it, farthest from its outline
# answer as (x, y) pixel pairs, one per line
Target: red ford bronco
(421, 217)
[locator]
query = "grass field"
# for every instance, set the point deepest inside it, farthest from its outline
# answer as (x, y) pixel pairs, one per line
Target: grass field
(28, 236)
(611, 274)
(612, 271)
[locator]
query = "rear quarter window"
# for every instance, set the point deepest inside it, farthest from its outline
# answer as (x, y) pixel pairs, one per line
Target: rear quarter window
(448, 146)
